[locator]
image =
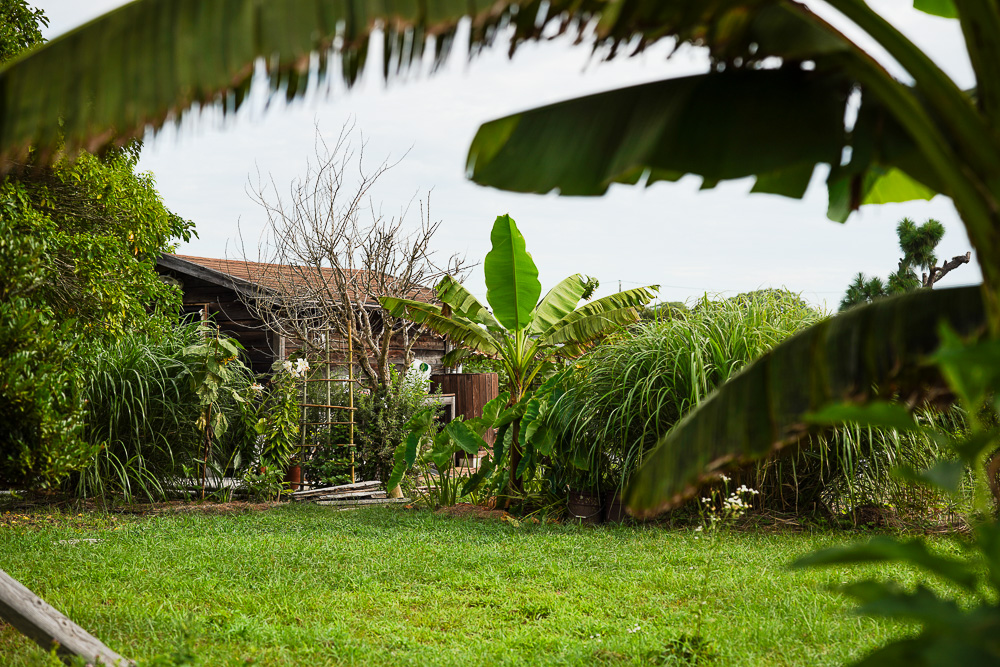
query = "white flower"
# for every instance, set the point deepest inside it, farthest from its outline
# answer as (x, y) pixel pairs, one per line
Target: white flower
(286, 365)
(725, 479)
(257, 387)
(698, 529)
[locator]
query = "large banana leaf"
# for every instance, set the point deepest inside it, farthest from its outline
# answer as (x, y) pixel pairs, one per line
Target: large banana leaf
(460, 331)
(617, 308)
(512, 286)
(463, 303)
(876, 349)
(558, 302)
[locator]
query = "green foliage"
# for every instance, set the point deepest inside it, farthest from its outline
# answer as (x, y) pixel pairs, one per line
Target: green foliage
(617, 402)
(918, 244)
(41, 406)
(103, 227)
(525, 338)
(965, 628)
(279, 414)
(380, 425)
(434, 451)
(874, 350)
(78, 242)
(20, 28)
(144, 410)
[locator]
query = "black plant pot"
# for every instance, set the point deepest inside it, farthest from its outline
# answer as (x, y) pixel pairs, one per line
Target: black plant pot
(584, 506)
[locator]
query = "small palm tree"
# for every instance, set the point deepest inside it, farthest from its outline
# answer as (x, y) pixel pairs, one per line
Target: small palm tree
(524, 335)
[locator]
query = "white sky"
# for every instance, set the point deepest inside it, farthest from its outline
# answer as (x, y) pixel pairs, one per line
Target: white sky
(720, 241)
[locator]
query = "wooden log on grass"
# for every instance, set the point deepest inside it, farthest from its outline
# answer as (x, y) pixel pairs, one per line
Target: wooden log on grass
(47, 627)
(357, 486)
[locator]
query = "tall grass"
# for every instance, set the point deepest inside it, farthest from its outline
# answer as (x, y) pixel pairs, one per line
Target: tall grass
(142, 409)
(631, 391)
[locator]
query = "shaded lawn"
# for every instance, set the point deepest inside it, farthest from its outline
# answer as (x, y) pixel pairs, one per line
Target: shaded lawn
(304, 585)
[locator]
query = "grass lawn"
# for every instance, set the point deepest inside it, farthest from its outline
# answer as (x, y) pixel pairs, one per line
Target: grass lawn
(304, 585)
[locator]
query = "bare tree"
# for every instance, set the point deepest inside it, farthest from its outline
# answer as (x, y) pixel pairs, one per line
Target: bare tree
(328, 253)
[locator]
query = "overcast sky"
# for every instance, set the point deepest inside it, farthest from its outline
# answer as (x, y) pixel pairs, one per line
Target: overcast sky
(720, 241)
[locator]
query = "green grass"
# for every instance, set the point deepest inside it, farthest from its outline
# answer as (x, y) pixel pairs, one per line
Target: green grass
(303, 585)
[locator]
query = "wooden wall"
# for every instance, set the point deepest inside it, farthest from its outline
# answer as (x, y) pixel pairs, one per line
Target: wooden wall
(203, 298)
(472, 391)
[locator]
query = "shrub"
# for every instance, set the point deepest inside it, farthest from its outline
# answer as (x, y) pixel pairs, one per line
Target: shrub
(380, 420)
(144, 412)
(615, 404)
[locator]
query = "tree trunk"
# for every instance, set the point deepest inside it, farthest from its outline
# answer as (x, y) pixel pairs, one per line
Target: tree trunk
(516, 484)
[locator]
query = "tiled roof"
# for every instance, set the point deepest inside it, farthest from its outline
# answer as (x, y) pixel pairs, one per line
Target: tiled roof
(284, 277)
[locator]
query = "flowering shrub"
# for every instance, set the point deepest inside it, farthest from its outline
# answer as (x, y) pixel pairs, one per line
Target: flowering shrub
(720, 506)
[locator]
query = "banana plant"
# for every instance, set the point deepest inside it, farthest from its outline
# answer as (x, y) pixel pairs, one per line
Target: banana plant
(523, 334)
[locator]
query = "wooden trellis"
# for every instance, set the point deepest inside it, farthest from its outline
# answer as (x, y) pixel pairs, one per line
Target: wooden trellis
(327, 375)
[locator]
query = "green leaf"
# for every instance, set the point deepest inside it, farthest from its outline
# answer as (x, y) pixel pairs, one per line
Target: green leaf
(512, 286)
(442, 452)
(486, 468)
(460, 332)
(599, 316)
(558, 302)
(787, 119)
(763, 409)
(465, 437)
(972, 368)
(403, 459)
(879, 414)
(492, 410)
(889, 550)
(463, 303)
(946, 475)
(943, 8)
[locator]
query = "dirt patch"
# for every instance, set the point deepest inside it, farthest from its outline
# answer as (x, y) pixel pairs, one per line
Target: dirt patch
(36, 513)
(187, 507)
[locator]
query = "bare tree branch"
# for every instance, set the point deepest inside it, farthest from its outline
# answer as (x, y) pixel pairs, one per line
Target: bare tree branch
(328, 252)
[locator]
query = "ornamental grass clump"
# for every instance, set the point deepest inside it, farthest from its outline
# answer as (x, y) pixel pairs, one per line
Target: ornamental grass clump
(143, 412)
(616, 403)
(630, 391)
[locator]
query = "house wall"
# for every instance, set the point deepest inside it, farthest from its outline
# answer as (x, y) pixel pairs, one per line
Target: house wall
(205, 299)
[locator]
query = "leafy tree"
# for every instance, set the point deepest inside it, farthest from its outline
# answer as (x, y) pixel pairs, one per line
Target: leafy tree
(917, 243)
(524, 335)
(19, 27)
(78, 244)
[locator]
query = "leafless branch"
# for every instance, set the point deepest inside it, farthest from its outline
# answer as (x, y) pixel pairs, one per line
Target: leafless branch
(328, 252)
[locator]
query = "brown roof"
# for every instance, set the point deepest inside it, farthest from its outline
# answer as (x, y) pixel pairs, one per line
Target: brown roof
(282, 277)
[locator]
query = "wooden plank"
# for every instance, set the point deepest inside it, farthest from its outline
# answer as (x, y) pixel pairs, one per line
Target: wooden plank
(374, 493)
(356, 486)
(376, 501)
(43, 624)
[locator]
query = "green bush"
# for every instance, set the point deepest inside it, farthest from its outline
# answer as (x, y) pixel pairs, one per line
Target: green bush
(143, 412)
(624, 396)
(614, 405)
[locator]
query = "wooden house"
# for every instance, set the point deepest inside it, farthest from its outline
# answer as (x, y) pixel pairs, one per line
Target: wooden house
(219, 289)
